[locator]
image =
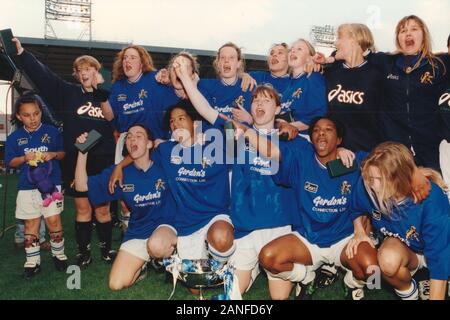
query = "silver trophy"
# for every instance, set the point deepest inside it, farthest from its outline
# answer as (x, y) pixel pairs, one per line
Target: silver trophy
(195, 274)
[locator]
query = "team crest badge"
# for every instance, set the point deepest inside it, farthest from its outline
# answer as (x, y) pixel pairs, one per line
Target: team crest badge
(297, 93)
(45, 138)
(426, 78)
(412, 234)
(143, 94)
(346, 188)
(175, 160)
(206, 163)
(160, 185)
(239, 101)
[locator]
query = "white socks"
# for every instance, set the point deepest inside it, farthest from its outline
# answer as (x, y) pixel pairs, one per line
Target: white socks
(411, 294)
(299, 273)
(221, 256)
(353, 283)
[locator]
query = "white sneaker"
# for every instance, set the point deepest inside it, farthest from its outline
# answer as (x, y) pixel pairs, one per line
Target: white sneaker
(356, 294)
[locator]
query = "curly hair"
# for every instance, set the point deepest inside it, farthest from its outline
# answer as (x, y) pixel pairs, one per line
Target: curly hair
(146, 60)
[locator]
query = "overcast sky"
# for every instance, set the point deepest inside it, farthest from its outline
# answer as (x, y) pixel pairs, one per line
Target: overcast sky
(252, 24)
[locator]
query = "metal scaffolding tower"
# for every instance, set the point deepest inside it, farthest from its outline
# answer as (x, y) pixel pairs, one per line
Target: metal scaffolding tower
(323, 36)
(69, 11)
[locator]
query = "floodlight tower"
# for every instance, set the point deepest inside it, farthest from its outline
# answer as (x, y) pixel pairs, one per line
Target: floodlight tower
(323, 37)
(72, 11)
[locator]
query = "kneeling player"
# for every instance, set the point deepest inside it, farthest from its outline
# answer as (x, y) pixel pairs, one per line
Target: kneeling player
(41, 144)
(323, 228)
(145, 190)
(416, 235)
(200, 186)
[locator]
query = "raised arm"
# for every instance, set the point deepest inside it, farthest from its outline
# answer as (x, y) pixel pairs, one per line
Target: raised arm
(107, 110)
(102, 95)
(52, 87)
(197, 99)
(81, 177)
(264, 146)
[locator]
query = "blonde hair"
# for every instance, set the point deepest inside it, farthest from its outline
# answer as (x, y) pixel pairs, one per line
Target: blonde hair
(426, 49)
(311, 49)
(239, 54)
(360, 33)
(83, 61)
(146, 60)
(396, 165)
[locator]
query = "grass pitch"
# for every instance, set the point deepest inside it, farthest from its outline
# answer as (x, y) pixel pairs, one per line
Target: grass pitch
(52, 285)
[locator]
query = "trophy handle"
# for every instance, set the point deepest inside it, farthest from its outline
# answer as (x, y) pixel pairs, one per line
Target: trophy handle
(200, 294)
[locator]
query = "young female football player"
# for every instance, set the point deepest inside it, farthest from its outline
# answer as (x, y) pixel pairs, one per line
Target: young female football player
(444, 148)
(417, 235)
(260, 210)
(354, 88)
(136, 95)
(305, 98)
(199, 182)
(413, 78)
(80, 112)
(278, 75)
(146, 192)
(323, 227)
(36, 142)
(256, 222)
(225, 93)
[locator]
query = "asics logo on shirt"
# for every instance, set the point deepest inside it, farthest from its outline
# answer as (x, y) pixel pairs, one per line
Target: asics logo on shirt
(444, 99)
(90, 110)
(349, 97)
(149, 196)
(393, 77)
